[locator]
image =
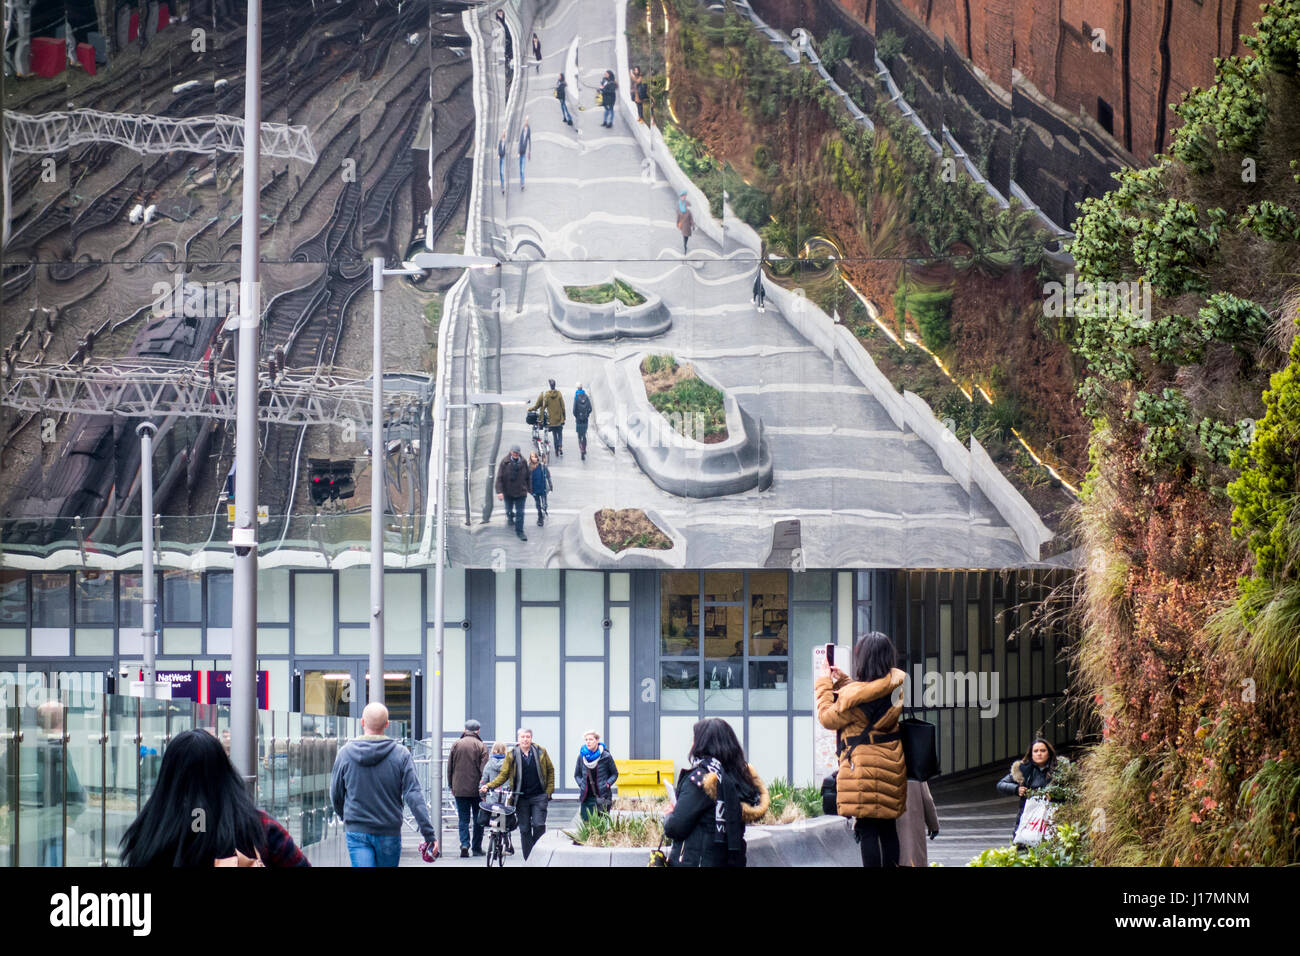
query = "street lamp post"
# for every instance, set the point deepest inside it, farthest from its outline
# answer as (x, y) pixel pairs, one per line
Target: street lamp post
(148, 634)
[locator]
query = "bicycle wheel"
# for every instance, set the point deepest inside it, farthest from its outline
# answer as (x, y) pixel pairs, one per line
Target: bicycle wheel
(493, 848)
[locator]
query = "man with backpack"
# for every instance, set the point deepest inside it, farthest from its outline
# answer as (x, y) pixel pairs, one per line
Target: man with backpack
(581, 415)
(608, 87)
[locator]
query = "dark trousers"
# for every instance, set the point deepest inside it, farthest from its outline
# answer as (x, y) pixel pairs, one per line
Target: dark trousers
(685, 239)
(515, 512)
(467, 813)
(557, 436)
(582, 437)
(541, 508)
(532, 820)
(879, 840)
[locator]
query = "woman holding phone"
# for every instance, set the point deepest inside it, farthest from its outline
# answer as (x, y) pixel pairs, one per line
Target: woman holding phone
(871, 785)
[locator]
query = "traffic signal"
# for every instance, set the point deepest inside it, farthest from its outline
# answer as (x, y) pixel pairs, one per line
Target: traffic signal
(330, 480)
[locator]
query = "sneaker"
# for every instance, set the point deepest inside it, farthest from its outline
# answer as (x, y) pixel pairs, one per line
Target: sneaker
(539, 522)
(522, 536)
(464, 853)
(584, 454)
(479, 853)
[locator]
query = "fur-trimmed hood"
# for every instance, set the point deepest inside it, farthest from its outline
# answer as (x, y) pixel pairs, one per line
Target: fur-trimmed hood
(1018, 774)
(749, 812)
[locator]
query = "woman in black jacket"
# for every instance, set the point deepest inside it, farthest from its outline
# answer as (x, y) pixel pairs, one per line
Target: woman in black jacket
(1033, 771)
(716, 796)
(595, 773)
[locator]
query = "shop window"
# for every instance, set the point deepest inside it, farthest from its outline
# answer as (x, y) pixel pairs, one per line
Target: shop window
(724, 586)
(221, 595)
(769, 614)
(679, 613)
(182, 597)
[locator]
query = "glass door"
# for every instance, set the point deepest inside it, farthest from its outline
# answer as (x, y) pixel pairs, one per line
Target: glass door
(341, 688)
(399, 690)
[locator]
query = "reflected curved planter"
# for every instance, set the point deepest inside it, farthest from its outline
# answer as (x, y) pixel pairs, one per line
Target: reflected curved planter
(583, 547)
(679, 465)
(610, 320)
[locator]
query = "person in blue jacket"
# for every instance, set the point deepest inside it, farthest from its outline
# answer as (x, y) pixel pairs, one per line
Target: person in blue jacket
(539, 477)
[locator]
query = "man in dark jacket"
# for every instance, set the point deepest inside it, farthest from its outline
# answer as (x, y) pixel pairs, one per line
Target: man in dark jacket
(608, 87)
(581, 415)
(531, 775)
(372, 776)
(464, 764)
(512, 487)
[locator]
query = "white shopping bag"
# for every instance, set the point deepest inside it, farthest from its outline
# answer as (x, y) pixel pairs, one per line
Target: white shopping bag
(1034, 821)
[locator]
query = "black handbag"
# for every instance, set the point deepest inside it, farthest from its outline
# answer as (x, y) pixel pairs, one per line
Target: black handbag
(829, 807)
(531, 418)
(920, 748)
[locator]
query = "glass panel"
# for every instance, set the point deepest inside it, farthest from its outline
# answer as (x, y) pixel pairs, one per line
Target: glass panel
(769, 614)
(724, 632)
(584, 709)
(313, 609)
(8, 796)
(724, 586)
(679, 613)
(13, 642)
(354, 641)
(403, 616)
(810, 586)
(863, 625)
(768, 681)
(945, 625)
(94, 597)
(620, 658)
(354, 595)
(620, 586)
(505, 614)
(675, 741)
(679, 685)
(153, 741)
(584, 613)
(768, 748)
(123, 753)
(220, 598)
(130, 594)
(453, 594)
(51, 601)
(297, 771)
(812, 626)
(182, 597)
(507, 717)
(273, 596)
(916, 630)
(93, 642)
(540, 586)
(454, 684)
(13, 597)
(723, 682)
(539, 654)
(328, 692)
(864, 585)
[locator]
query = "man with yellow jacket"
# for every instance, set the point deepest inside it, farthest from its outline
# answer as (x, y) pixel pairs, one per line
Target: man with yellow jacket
(871, 784)
(553, 404)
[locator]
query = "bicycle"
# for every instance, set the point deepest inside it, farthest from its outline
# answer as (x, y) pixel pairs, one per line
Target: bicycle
(541, 436)
(499, 827)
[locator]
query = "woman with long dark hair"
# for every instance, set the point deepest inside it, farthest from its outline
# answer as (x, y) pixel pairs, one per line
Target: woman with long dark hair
(716, 796)
(199, 813)
(1033, 771)
(871, 785)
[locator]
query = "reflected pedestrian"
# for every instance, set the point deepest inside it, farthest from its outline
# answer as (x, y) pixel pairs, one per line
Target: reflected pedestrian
(581, 416)
(51, 796)
(685, 221)
(638, 88)
(501, 162)
(608, 87)
(537, 52)
(553, 402)
(525, 148)
(512, 488)
(562, 94)
(539, 482)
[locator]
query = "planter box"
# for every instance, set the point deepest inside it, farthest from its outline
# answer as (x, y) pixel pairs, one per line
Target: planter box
(610, 320)
(582, 546)
(679, 465)
(821, 841)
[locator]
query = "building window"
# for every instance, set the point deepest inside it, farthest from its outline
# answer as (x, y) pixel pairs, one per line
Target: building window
(51, 601)
(1105, 116)
(13, 597)
(94, 597)
(182, 597)
(679, 613)
(221, 596)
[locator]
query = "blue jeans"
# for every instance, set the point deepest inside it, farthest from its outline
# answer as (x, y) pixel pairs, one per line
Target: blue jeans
(609, 116)
(515, 513)
(467, 810)
(521, 169)
(501, 170)
(564, 112)
(368, 849)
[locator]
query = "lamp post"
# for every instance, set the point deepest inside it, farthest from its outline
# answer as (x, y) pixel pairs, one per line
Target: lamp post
(417, 265)
(148, 634)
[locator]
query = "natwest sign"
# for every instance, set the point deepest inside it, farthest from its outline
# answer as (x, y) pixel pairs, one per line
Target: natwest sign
(209, 687)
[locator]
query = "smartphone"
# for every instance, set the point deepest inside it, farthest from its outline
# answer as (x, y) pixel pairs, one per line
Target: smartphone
(830, 655)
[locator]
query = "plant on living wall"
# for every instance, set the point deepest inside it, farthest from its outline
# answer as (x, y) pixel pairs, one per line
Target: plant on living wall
(1191, 516)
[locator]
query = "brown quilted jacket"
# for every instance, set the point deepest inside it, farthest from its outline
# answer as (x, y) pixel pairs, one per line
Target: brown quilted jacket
(872, 780)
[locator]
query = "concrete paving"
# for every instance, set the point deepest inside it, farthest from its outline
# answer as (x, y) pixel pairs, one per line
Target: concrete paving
(867, 492)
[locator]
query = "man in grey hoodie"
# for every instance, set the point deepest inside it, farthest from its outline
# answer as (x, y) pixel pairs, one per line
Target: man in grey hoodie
(372, 776)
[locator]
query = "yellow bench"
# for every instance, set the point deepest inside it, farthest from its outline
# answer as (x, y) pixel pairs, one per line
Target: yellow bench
(643, 778)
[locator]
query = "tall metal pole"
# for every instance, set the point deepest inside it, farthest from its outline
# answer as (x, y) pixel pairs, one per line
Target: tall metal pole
(243, 665)
(148, 634)
(442, 414)
(378, 455)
